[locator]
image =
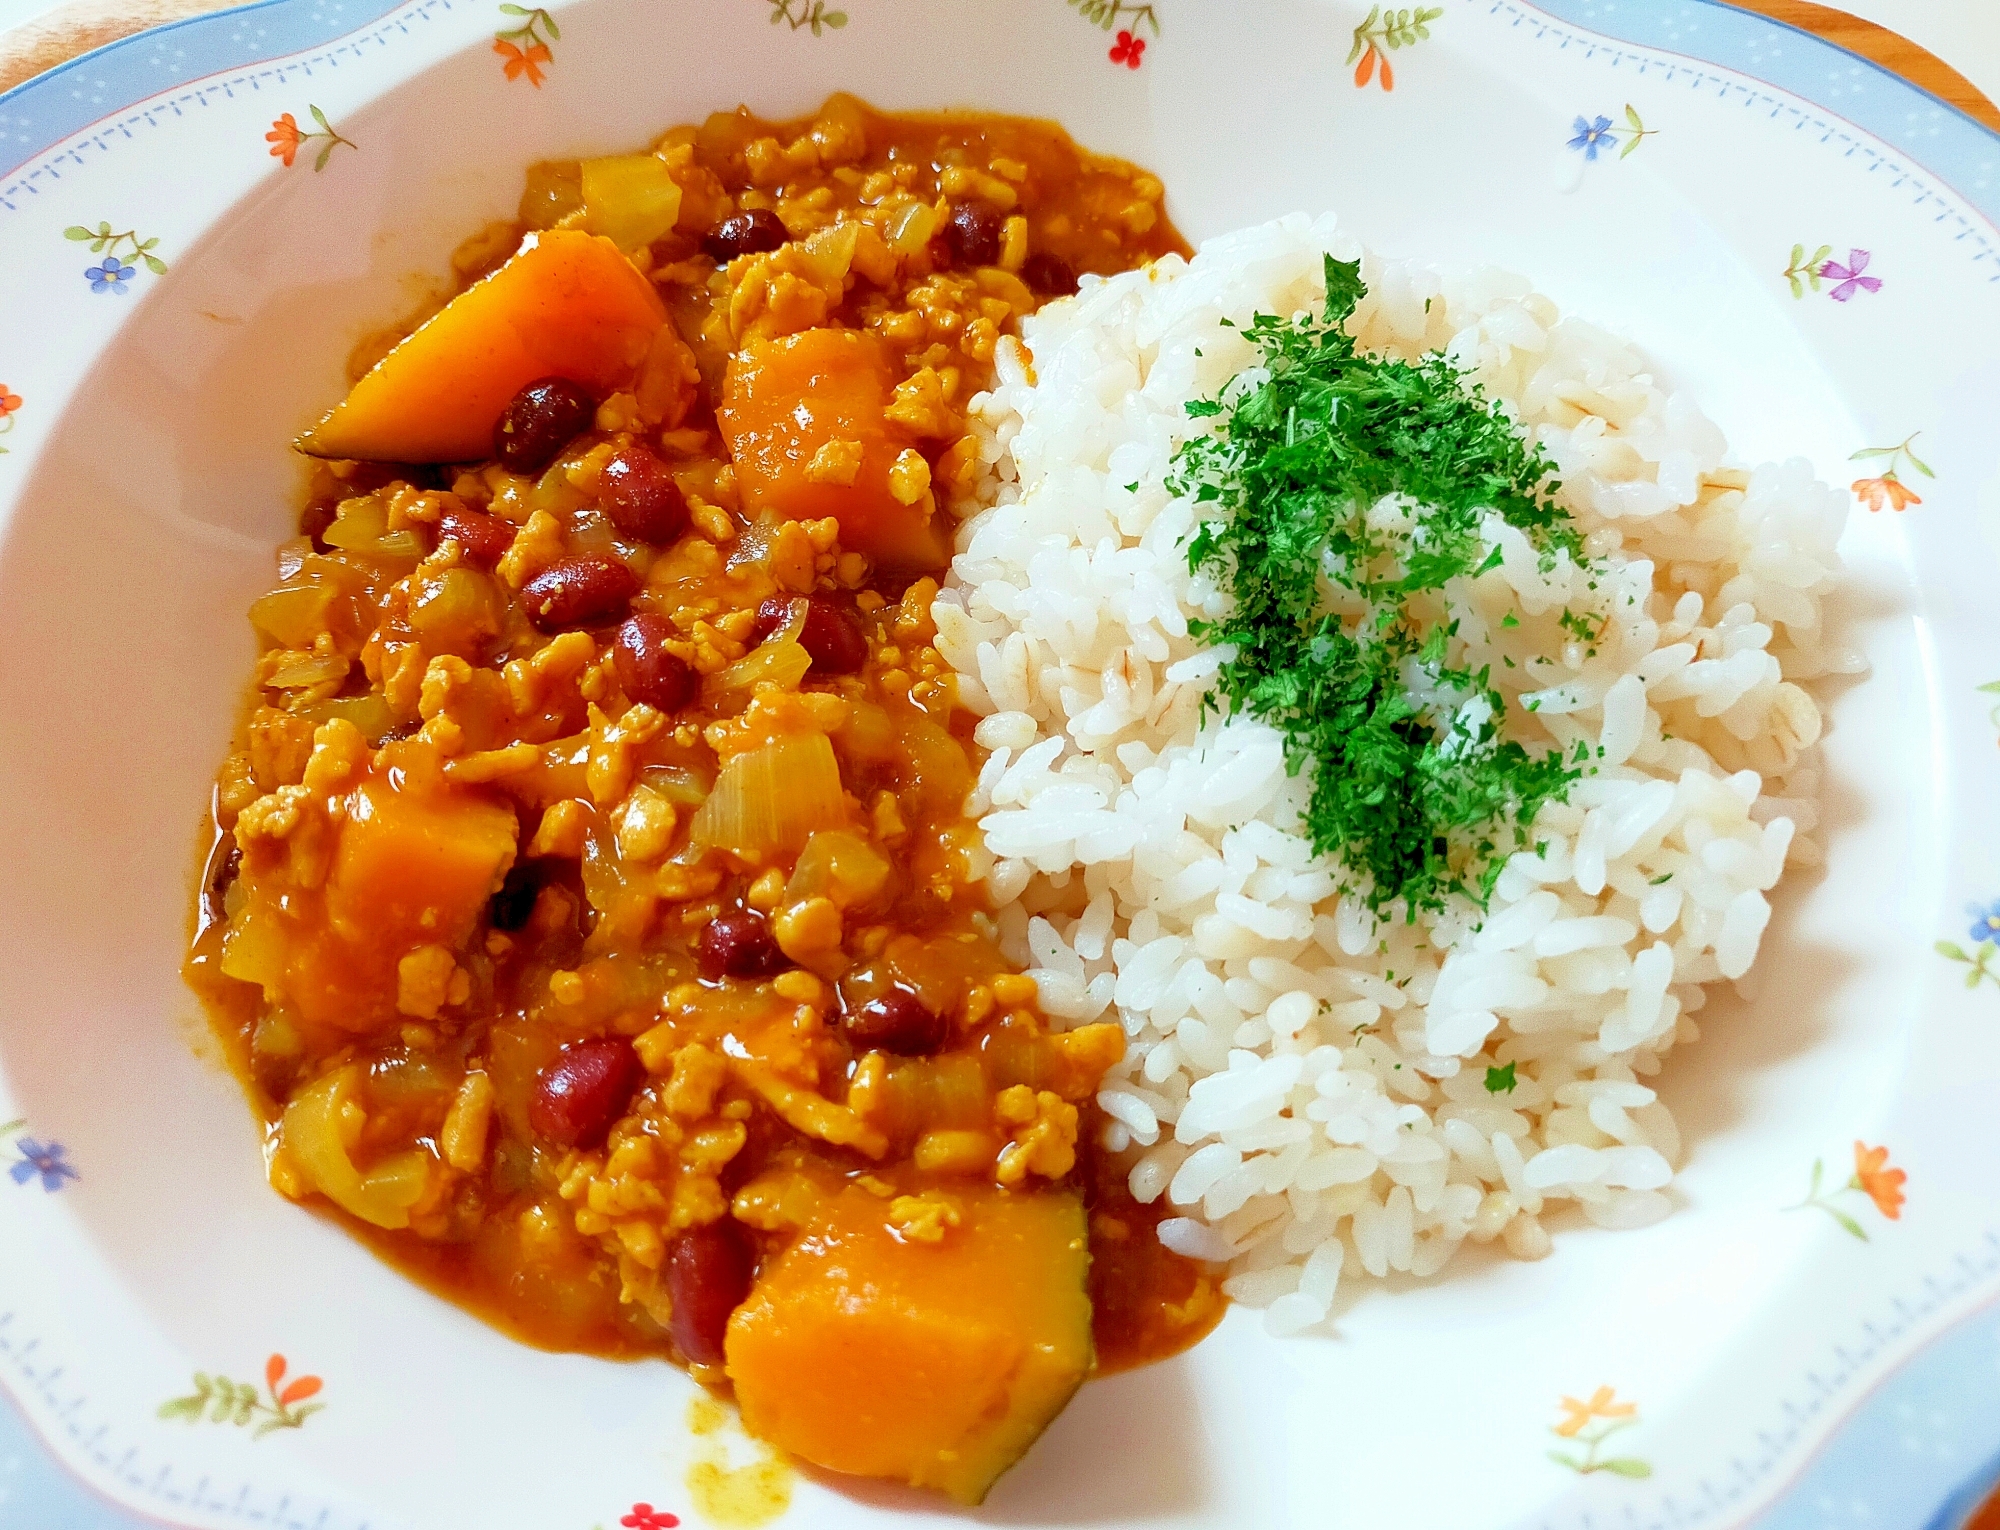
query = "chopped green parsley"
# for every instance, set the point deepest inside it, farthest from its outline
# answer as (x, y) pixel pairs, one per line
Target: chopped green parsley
(1500, 1080)
(1415, 795)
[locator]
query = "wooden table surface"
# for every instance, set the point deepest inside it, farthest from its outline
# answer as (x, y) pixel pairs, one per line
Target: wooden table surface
(1891, 51)
(80, 25)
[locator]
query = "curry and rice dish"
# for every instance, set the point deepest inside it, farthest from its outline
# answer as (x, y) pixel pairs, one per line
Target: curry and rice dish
(865, 776)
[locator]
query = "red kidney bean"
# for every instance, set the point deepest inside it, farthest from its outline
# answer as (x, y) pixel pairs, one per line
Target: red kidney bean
(577, 1097)
(708, 1275)
(641, 497)
(315, 520)
(509, 908)
(574, 592)
(831, 637)
(972, 234)
(540, 421)
(738, 944)
(895, 1020)
(483, 538)
(1044, 273)
(645, 668)
(755, 232)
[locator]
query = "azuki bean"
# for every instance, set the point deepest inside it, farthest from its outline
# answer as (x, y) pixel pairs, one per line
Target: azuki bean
(738, 944)
(483, 538)
(756, 232)
(972, 234)
(574, 592)
(641, 497)
(896, 1020)
(645, 668)
(1044, 273)
(708, 1275)
(540, 421)
(831, 637)
(577, 1097)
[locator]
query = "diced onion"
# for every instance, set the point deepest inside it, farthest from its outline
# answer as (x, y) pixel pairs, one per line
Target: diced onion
(314, 1134)
(316, 670)
(293, 614)
(253, 948)
(776, 663)
(779, 660)
(631, 199)
(370, 714)
(771, 800)
(841, 866)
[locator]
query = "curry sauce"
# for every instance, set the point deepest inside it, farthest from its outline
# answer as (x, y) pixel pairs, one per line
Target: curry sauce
(593, 914)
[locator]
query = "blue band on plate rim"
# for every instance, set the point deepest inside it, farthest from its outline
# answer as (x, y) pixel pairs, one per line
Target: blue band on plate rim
(1876, 1469)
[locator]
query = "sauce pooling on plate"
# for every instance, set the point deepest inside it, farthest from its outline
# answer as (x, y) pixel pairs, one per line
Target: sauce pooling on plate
(593, 912)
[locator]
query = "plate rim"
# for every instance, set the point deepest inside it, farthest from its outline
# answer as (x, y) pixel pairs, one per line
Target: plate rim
(128, 51)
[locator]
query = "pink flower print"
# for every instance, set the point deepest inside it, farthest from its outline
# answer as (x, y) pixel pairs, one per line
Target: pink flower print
(1849, 276)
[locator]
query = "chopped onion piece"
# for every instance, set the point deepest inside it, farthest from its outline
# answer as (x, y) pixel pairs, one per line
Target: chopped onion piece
(773, 799)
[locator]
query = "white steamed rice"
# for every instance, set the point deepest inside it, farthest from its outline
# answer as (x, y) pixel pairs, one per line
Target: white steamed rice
(1307, 1087)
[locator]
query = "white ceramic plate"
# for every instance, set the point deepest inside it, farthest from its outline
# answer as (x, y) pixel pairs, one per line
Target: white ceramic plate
(146, 407)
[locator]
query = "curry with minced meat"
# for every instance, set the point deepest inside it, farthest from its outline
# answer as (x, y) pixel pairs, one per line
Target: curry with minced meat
(593, 912)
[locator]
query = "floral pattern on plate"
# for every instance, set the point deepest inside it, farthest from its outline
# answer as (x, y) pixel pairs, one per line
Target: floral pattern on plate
(1382, 31)
(807, 13)
(1872, 1177)
(47, 1161)
(1982, 962)
(1820, 272)
(116, 270)
(222, 1401)
(286, 138)
(523, 49)
(645, 1517)
(1592, 137)
(1887, 487)
(1591, 1421)
(1128, 48)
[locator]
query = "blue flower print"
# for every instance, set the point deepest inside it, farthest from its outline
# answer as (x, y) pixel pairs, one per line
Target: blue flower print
(109, 277)
(45, 1159)
(1985, 920)
(1592, 136)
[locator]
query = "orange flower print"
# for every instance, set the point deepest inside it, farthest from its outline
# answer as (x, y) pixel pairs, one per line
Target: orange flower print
(1577, 1414)
(1872, 1177)
(284, 139)
(218, 1400)
(520, 62)
(522, 48)
(1590, 1423)
(9, 400)
(1382, 30)
(1887, 490)
(1882, 1185)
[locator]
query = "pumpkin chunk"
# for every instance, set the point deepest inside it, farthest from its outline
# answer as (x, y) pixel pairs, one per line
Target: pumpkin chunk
(411, 875)
(925, 1339)
(806, 424)
(567, 304)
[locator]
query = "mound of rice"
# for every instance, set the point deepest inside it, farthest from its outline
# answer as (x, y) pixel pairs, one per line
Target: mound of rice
(1309, 1087)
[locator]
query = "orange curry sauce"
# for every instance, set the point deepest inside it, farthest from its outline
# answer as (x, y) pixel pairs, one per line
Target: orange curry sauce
(591, 897)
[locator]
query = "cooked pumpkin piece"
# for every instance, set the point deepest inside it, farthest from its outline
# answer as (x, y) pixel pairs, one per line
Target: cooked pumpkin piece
(567, 304)
(926, 1339)
(805, 418)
